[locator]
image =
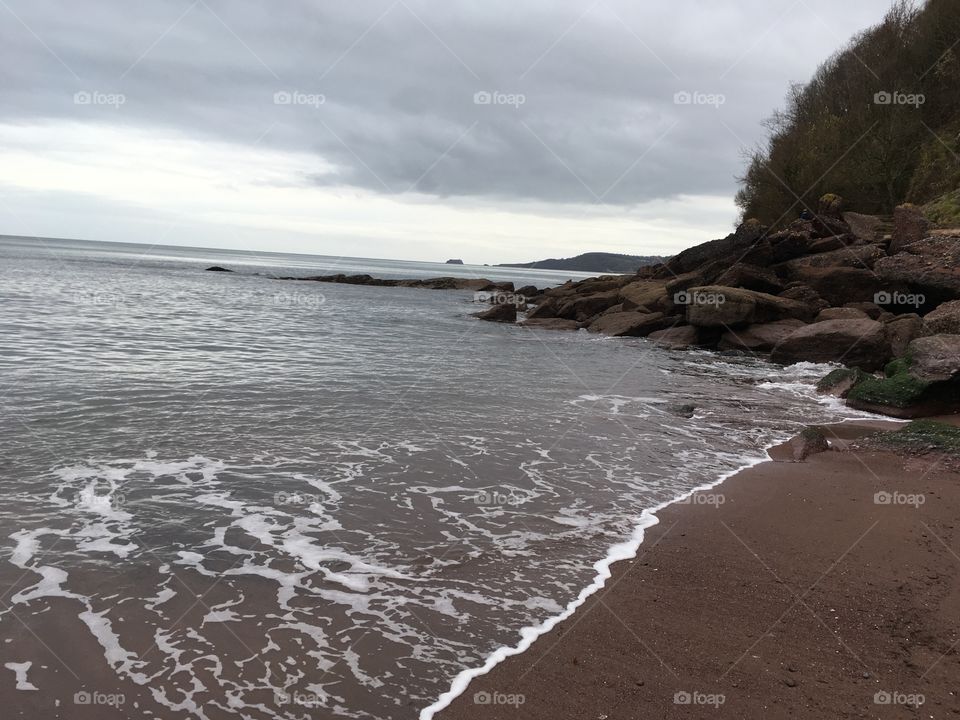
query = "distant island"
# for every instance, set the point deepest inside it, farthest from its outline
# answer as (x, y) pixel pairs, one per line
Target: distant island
(593, 262)
(454, 262)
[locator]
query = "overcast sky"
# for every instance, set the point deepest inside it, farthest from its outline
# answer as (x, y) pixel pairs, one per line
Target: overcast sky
(489, 130)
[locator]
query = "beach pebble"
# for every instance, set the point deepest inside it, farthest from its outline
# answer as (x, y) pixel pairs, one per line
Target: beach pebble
(790, 682)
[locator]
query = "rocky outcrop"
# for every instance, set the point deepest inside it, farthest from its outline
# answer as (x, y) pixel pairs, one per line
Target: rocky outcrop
(844, 313)
(860, 343)
(584, 307)
(440, 283)
(865, 228)
(631, 324)
(759, 338)
(902, 330)
(750, 277)
(928, 267)
(839, 285)
(809, 442)
(717, 306)
(909, 226)
(945, 320)
(650, 294)
(501, 312)
(551, 324)
(677, 337)
(935, 358)
(217, 268)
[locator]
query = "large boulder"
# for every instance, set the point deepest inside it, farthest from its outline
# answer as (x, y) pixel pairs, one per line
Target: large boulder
(501, 312)
(737, 244)
(935, 358)
(858, 256)
(840, 285)
(945, 320)
(759, 338)
(630, 324)
(844, 313)
(806, 295)
(650, 294)
(750, 277)
(718, 306)
(544, 310)
(909, 226)
(865, 228)
(860, 343)
(902, 330)
(677, 337)
(582, 307)
(928, 267)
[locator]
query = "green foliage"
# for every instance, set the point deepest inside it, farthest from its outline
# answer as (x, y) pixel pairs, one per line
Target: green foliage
(945, 210)
(899, 389)
(835, 136)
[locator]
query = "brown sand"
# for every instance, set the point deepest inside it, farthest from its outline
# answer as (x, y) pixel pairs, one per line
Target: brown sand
(797, 597)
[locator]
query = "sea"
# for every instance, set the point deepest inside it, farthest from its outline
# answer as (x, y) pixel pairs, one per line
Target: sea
(228, 495)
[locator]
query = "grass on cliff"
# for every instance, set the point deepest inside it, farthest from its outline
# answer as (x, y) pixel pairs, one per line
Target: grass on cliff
(922, 436)
(945, 210)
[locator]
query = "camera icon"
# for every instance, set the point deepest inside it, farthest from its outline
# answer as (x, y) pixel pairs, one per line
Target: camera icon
(482, 698)
(682, 98)
(883, 98)
(482, 98)
(882, 697)
(682, 698)
(282, 98)
(82, 98)
(882, 498)
(682, 298)
(82, 698)
(882, 298)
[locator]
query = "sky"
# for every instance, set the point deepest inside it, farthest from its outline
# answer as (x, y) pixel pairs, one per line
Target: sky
(486, 130)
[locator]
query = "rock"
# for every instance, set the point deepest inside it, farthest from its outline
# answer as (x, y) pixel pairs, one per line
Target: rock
(718, 306)
(840, 285)
(454, 262)
(582, 307)
(806, 295)
(902, 330)
(830, 205)
(945, 320)
(629, 324)
(759, 338)
(736, 245)
(750, 277)
(686, 410)
(900, 394)
(529, 291)
(863, 256)
(677, 338)
(550, 324)
(935, 358)
(837, 242)
(217, 268)
(810, 441)
(502, 312)
(909, 226)
(871, 310)
(546, 309)
(790, 244)
(861, 343)
(844, 313)
(840, 382)
(650, 294)
(929, 267)
(863, 227)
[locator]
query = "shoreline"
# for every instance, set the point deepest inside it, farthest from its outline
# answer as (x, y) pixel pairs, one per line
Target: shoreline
(507, 667)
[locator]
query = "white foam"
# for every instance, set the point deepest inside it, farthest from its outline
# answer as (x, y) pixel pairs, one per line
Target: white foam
(20, 669)
(621, 551)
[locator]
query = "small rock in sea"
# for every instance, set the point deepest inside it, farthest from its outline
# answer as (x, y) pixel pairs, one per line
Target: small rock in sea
(217, 268)
(790, 682)
(686, 410)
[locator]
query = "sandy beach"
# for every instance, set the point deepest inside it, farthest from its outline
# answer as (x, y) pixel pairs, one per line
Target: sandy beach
(791, 590)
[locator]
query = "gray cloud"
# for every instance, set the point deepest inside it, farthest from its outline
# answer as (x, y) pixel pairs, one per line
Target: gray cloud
(598, 122)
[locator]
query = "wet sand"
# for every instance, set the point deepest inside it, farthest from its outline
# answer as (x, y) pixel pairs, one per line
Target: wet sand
(789, 591)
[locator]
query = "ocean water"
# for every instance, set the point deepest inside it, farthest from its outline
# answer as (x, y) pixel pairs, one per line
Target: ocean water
(230, 496)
